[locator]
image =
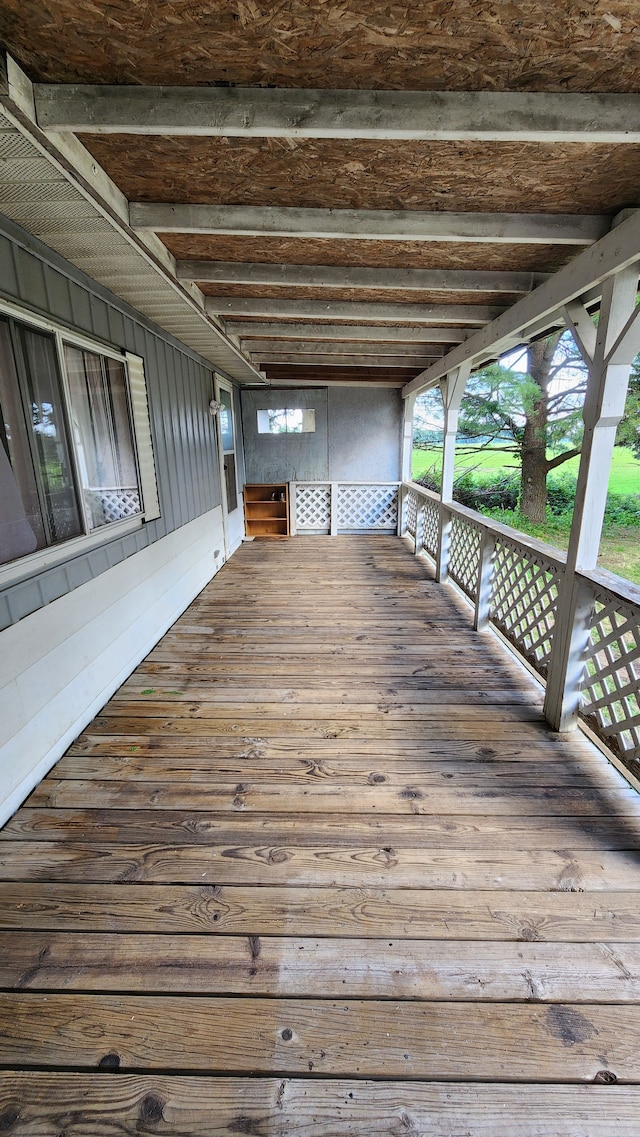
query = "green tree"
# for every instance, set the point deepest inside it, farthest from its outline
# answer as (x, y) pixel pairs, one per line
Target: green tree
(628, 433)
(536, 416)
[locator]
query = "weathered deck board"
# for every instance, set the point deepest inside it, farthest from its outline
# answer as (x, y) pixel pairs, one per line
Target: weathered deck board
(92, 1105)
(317, 796)
(295, 966)
(556, 870)
(353, 912)
(238, 830)
(554, 1042)
(322, 835)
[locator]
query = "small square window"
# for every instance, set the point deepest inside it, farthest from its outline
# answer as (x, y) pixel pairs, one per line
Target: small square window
(287, 420)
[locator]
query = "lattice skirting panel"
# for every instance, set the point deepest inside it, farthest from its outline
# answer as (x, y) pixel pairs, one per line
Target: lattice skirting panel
(525, 601)
(363, 507)
(610, 696)
(313, 508)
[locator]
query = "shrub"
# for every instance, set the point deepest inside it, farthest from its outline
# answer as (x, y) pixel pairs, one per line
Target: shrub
(499, 493)
(561, 493)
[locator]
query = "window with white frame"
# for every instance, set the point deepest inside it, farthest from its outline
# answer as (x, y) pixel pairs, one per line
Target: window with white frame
(69, 464)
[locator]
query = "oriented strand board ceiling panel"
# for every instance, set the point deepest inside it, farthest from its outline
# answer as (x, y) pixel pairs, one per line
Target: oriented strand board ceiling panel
(373, 254)
(437, 45)
(503, 177)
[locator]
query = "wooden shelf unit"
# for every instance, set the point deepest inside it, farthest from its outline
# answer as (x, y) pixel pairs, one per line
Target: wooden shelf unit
(266, 510)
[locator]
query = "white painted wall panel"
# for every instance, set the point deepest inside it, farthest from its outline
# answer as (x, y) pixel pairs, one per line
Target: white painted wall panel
(60, 665)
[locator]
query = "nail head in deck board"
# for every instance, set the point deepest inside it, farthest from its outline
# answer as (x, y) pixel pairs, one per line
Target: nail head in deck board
(92, 1105)
(556, 1042)
(291, 966)
(354, 912)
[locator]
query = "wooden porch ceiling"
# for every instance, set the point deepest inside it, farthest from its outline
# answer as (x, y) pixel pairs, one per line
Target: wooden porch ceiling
(320, 867)
(523, 173)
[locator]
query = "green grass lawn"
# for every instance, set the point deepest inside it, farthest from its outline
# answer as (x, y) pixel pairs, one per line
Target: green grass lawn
(619, 547)
(625, 469)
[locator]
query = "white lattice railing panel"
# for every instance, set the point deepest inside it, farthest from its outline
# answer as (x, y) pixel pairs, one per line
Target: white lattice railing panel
(313, 508)
(430, 526)
(525, 600)
(367, 507)
(411, 507)
(464, 555)
(107, 504)
(611, 681)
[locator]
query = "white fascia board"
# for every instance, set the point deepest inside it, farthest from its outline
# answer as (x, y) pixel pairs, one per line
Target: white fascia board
(543, 308)
(323, 276)
(69, 158)
(352, 310)
(377, 333)
(248, 112)
(368, 224)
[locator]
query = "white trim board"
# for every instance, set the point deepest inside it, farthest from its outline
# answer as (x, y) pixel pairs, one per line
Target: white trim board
(67, 659)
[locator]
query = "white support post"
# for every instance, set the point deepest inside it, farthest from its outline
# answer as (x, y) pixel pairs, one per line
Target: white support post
(608, 356)
(485, 582)
(453, 388)
(406, 456)
(444, 543)
(334, 509)
(402, 505)
(293, 524)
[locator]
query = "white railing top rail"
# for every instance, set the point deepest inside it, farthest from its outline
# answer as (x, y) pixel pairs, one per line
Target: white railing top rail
(345, 482)
(616, 586)
(556, 557)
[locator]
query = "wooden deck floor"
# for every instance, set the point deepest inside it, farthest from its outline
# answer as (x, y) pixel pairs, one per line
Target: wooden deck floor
(319, 869)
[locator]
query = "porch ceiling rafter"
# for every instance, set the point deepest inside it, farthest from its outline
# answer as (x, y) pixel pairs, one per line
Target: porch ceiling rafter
(352, 310)
(545, 307)
(322, 347)
(376, 333)
(368, 224)
(326, 276)
(362, 360)
(379, 115)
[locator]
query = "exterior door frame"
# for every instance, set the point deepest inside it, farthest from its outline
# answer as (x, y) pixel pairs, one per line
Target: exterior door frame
(220, 385)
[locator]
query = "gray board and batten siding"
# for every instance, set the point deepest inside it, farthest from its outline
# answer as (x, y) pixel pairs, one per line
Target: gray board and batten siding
(179, 388)
(357, 436)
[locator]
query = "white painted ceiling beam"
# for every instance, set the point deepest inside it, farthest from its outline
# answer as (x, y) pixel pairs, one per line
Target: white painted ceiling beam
(352, 310)
(246, 329)
(325, 276)
(273, 358)
(277, 113)
(369, 224)
(307, 349)
(543, 308)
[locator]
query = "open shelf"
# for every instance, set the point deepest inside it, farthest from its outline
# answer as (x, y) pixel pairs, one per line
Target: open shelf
(266, 510)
